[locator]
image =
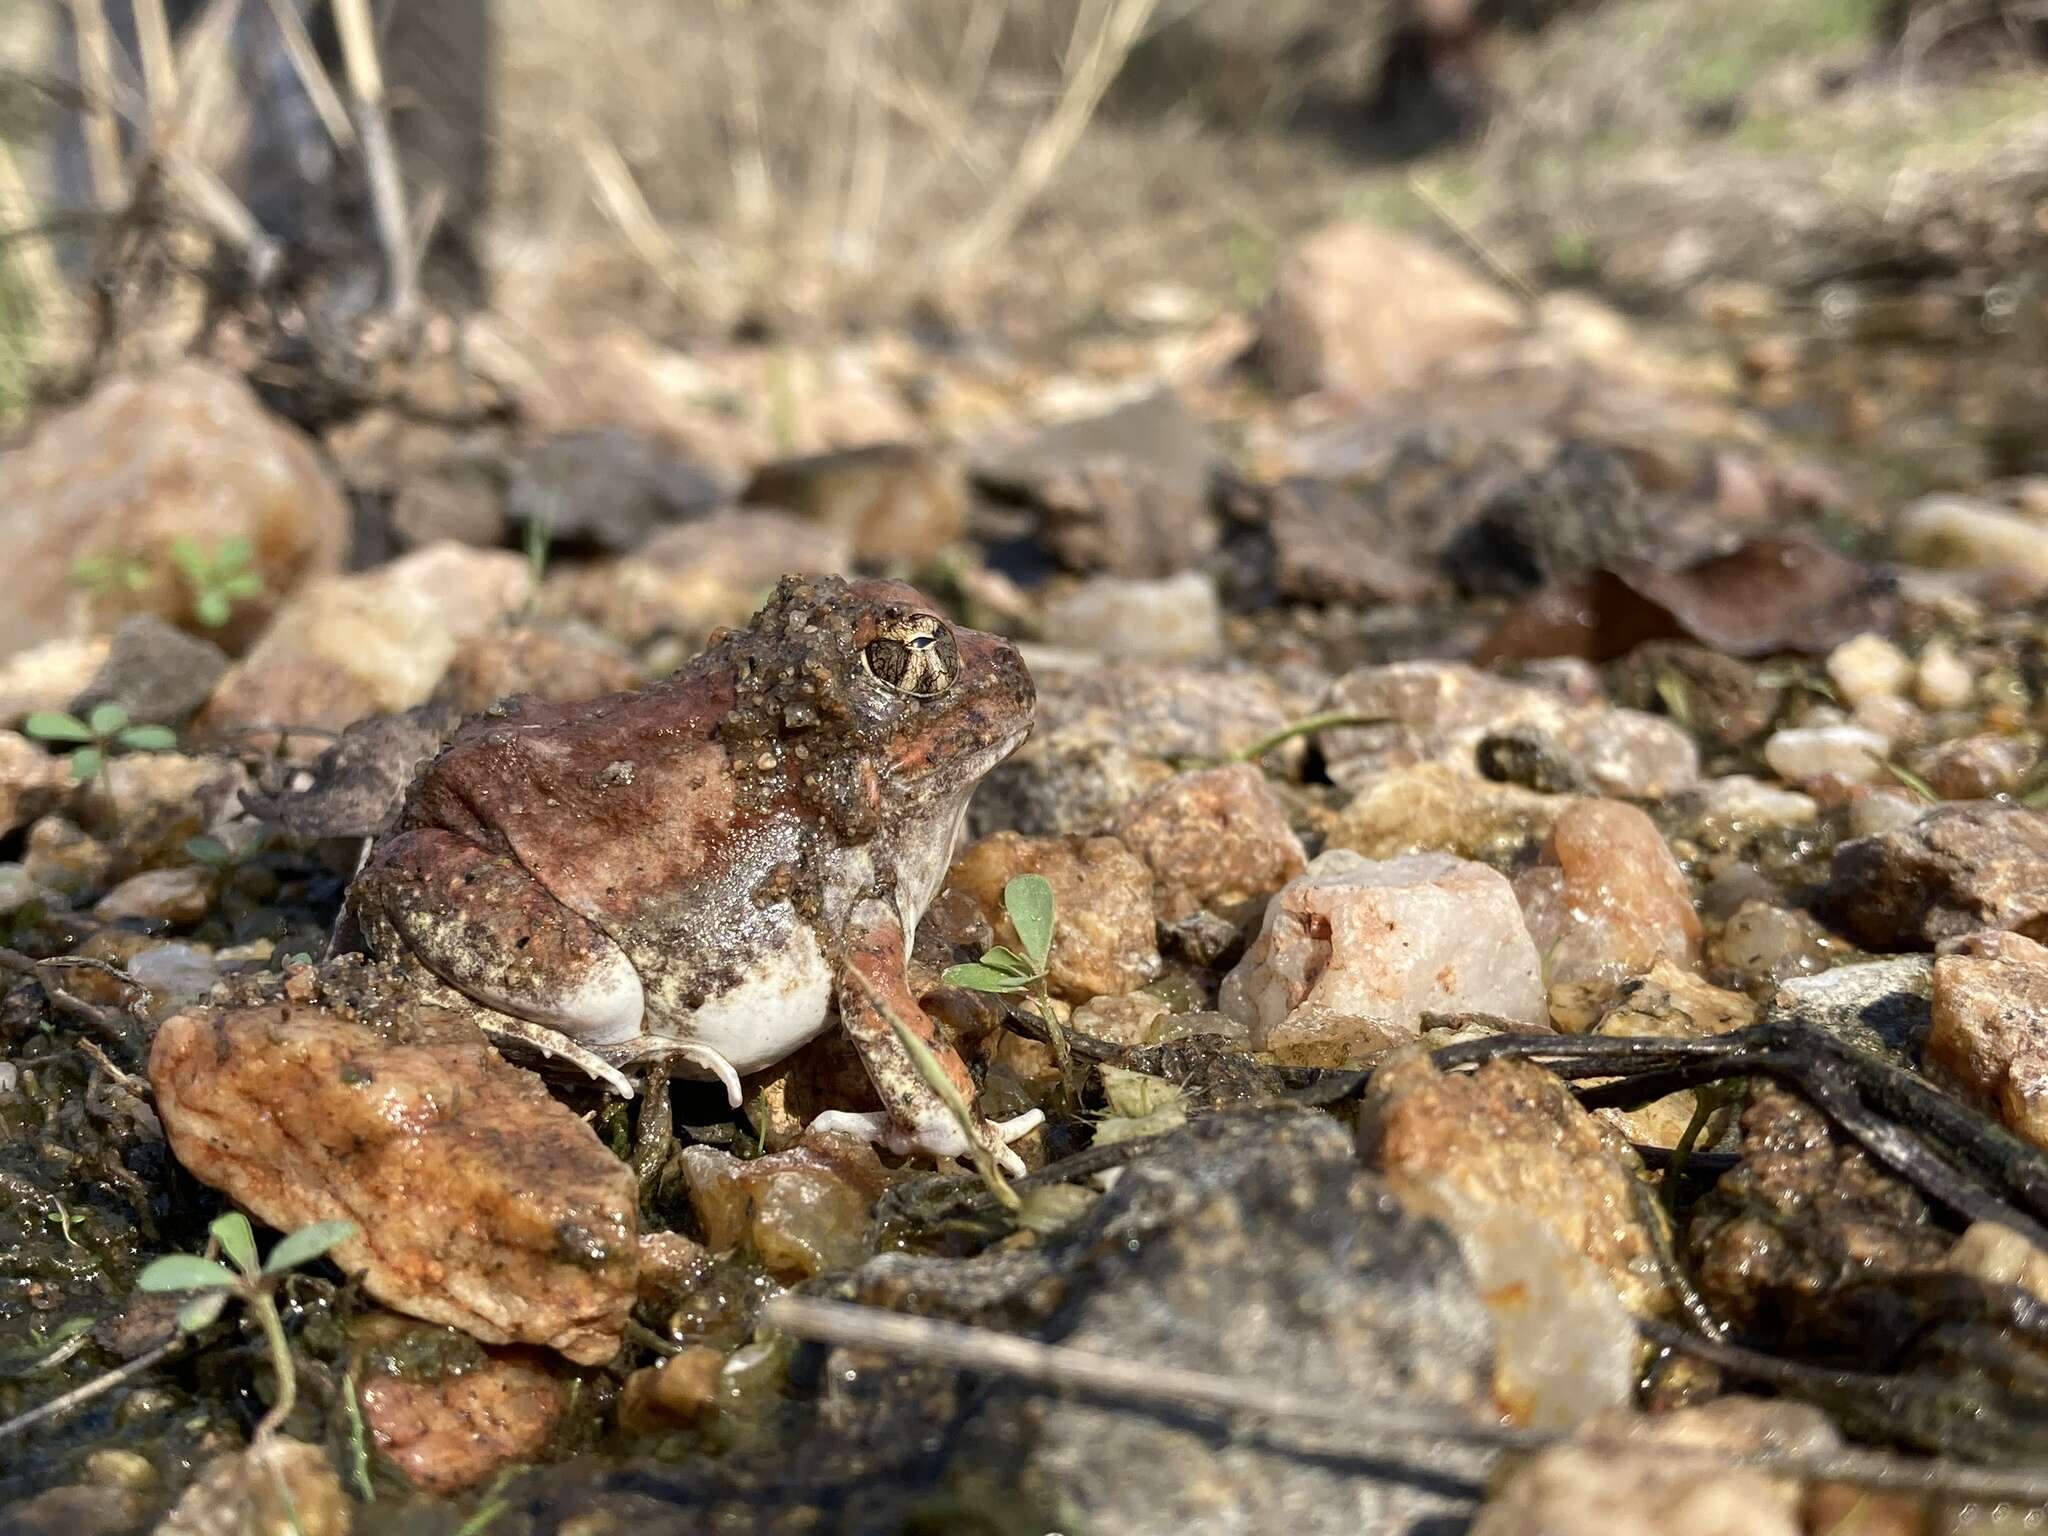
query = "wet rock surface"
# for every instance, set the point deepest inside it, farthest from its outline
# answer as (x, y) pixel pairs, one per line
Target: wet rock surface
(482, 1202)
(1954, 870)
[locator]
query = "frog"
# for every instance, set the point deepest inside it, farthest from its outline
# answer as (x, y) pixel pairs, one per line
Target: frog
(702, 875)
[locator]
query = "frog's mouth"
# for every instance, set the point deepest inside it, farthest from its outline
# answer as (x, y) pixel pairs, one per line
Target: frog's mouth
(929, 761)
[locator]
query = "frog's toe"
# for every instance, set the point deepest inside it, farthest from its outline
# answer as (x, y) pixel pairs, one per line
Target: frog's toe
(719, 1068)
(555, 1044)
(1016, 1128)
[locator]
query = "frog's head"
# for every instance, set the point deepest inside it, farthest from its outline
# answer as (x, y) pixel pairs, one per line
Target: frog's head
(876, 686)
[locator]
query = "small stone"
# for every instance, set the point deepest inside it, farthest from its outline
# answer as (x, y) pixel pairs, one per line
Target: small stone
(1884, 1006)
(450, 1431)
(1990, 1026)
(1433, 808)
(1333, 544)
(1103, 938)
(1172, 618)
(1136, 1019)
(1956, 869)
(1898, 720)
(1440, 711)
(1568, 1489)
(17, 888)
(155, 671)
(1997, 1255)
(1608, 901)
(175, 975)
(1362, 311)
(1167, 713)
(1807, 754)
(178, 897)
(347, 647)
(1212, 839)
(66, 862)
(156, 802)
(277, 1487)
(1869, 667)
(606, 489)
(1668, 1004)
(1736, 804)
(1510, 1135)
(1125, 493)
(897, 503)
(484, 1202)
(1768, 945)
(1943, 680)
(680, 1390)
(32, 781)
(143, 464)
(1354, 952)
(803, 1211)
(1978, 767)
(49, 676)
(1963, 532)
(559, 665)
(1875, 809)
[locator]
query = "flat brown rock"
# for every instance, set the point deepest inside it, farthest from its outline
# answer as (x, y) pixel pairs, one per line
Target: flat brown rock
(482, 1202)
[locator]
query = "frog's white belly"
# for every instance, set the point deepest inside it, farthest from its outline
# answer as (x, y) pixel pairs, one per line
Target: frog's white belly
(785, 1002)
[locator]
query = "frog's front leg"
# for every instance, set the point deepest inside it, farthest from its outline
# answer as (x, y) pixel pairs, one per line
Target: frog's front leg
(481, 924)
(871, 987)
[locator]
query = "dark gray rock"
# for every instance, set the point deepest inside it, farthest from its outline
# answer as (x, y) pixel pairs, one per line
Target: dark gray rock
(1885, 1006)
(1127, 493)
(1250, 1245)
(607, 489)
(157, 672)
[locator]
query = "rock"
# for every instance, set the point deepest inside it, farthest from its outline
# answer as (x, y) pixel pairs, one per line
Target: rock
(1724, 701)
(1876, 809)
(1785, 1244)
(140, 464)
(77, 1509)
(803, 1211)
(175, 975)
(1943, 679)
(1433, 808)
(1439, 712)
(1212, 839)
(1964, 532)
(1125, 493)
(155, 802)
(1990, 1026)
(1174, 618)
(606, 490)
(32, 781)
(678, 1390)
(1077, 790)
(277, 1487)
(1869, 667)
(896, 503)
(1769, 945)
(1102, 939)
(734, 555)
(1570, 1489)
(1809, 754)
(1884, 1006)
(17, 888)
(49, 676)
(1256, 1249)
(1608, 900)
(1354, 952)
(484, 1203)
(1362, 311)
(447, 1430)
(348, 647)
(1565, 517)
(1998, 1255)
(1511, 1136)
(1977, 767)
(356, 787)
(558, 665)
(177, 897)
(1667, 1004)
(1168, 713)
(1954, 870)
(63, 860)
(1735, 805)
(1565, 1346)
(155, 671)
(1332, 545)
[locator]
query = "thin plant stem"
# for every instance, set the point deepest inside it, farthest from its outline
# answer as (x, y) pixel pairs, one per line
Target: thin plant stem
(259, 1301)
(1328, 720)
(64, 1402)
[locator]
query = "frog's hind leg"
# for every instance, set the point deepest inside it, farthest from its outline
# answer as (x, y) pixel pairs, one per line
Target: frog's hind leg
(486, 928)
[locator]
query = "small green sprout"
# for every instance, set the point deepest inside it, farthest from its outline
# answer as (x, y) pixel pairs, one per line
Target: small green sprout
(210, 851)
(110, 575)
(98, 735)
(218, 580)
(1029, 901)
(213, 1285)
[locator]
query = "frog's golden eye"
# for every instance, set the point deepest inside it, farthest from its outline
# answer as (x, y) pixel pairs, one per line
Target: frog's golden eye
(913, 658)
